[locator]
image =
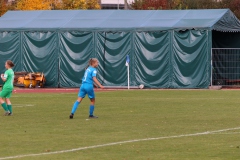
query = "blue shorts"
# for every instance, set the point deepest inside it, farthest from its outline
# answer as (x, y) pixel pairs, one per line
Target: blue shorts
(86, 89)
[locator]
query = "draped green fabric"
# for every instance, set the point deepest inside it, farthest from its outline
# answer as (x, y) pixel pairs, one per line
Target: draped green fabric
(158, 59)
(190, 59)
(172, 59)
(76, 48)
(152, 59)
(39, 55)
(10, 50)
(112, 49)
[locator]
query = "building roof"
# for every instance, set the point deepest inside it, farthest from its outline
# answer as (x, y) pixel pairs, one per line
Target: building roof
(212, 19)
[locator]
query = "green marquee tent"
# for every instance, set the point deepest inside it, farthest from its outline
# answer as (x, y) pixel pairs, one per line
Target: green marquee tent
(167, 48)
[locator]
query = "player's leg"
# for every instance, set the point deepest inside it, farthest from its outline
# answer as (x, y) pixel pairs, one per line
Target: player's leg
(81, 95)
(91, 108)
(76, 104)
(91, 96)
(3, 94)
(9, 106)
(4, 105)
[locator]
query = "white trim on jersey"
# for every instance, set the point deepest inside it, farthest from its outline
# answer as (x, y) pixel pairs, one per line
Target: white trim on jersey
(5, 76)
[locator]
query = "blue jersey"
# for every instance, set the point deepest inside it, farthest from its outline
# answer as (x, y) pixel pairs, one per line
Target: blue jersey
(89, 74)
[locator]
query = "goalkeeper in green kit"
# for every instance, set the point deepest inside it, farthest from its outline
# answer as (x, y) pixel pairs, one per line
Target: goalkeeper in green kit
(7, 88)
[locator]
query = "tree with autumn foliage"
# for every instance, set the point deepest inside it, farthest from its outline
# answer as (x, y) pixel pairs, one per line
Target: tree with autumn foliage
(176, 4)
(201, 4)
(234, 5)
(33, 5)
(149, 4)
(160, 4)
(69, 4)
(3, 7)
(56, 4)
(93, 4)
(75, 4)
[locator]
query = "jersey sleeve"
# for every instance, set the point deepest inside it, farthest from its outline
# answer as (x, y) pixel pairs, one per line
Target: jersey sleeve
(94, 73)
(6, 75)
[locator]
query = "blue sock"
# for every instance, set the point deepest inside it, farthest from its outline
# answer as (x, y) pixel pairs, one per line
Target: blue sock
(75, 106)
(91, 109)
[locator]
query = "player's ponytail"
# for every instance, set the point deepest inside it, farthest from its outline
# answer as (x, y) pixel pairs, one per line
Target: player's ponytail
(90, 62)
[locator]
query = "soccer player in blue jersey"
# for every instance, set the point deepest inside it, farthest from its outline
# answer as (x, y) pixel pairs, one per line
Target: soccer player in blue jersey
(87, 87)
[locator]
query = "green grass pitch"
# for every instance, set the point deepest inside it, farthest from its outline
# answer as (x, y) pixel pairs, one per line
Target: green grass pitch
(176, 118)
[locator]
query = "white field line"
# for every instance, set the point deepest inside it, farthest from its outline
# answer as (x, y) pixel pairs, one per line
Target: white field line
(121, 142)
(228, 133)
(23, 105)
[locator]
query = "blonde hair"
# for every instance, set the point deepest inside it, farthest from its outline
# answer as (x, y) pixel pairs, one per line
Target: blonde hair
(91, 61)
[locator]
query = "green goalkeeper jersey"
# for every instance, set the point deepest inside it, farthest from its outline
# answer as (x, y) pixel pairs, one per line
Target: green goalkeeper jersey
(9, 75)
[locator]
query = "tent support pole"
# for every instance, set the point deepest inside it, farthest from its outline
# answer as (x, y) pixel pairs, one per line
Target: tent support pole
(211, 67)
(128, 77)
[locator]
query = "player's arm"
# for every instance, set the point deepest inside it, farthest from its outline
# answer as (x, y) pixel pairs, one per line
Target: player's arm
(97, 82)
(4, 78)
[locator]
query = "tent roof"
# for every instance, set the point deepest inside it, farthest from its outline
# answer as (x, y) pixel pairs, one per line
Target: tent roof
(212, 19)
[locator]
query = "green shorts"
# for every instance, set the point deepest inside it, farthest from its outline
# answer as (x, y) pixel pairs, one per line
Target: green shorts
(6, 93)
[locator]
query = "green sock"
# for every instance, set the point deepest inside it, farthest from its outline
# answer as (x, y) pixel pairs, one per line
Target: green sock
(9, 108)
(5, 107)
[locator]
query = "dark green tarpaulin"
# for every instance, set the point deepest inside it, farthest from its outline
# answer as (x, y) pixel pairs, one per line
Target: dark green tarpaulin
(39, 55)
(167, 49)
(112, 49)
(152, 59)
(76, 48)
(162, 66)
(190, 65)
(10, 49)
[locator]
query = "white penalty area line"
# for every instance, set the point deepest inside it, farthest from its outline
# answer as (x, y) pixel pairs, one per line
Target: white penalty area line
(121, 142)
